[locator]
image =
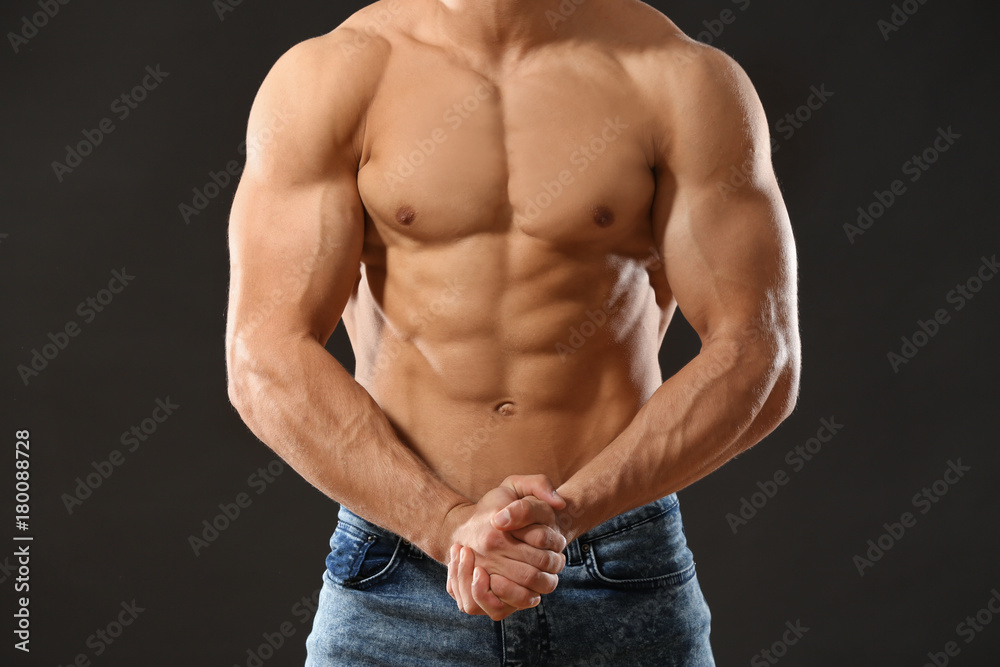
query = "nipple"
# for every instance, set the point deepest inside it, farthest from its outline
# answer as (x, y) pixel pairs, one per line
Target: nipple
(405, 215)
(603, 216)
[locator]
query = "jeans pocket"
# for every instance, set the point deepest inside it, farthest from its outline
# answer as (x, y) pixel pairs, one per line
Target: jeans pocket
(650, 554)
(359, 558)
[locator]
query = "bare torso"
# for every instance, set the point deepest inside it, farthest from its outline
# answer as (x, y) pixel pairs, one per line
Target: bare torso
(510, 304)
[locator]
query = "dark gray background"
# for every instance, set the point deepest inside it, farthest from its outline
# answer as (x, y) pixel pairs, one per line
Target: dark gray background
(163, 337)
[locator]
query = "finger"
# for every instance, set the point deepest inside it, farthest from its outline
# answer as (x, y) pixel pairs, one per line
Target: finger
(466, 566)
(539, 486)
(522, 513)
(543, 560)
(453, 575)
(523, 563)
(540, 537)
(511, 594)
(485, 598)
(526, 575)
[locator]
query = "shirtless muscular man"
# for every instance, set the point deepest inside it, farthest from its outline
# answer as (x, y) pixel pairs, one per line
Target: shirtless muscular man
(506, 201)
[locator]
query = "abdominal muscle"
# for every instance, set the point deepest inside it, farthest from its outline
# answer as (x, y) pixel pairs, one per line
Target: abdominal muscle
(513, 364)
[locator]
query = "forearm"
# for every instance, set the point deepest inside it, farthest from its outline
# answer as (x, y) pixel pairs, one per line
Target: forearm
(724, 401)
(306, 407)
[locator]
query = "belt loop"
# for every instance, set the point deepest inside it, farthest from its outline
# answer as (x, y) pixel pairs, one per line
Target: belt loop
(573, 554)
(412, 549)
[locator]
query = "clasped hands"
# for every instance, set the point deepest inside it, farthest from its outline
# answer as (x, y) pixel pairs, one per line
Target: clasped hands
(507, 548)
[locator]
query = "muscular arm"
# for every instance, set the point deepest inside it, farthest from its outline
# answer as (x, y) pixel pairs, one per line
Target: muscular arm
(295, 237)
(730, 261)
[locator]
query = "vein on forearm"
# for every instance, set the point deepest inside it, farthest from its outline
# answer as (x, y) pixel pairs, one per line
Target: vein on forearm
(719, 404)
(306, 407)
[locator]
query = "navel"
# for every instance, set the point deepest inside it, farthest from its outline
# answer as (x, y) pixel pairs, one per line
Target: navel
(603, 216)
(505, 409)
(405, 215)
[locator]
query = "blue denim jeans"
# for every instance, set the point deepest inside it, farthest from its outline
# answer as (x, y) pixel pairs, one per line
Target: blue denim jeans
(629, 595)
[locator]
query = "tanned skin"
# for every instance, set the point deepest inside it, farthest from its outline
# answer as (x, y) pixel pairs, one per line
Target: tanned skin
(505, 204)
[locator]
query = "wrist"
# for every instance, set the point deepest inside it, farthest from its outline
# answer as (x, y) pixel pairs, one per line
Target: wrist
(440, 541)
(569, 517)
(572, 518)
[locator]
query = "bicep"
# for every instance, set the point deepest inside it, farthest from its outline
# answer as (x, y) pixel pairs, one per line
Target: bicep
(724, 230)
(295, 253)
(297, 224)
(731, 264)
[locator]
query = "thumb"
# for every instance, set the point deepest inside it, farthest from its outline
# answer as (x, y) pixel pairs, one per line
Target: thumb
(539, 486)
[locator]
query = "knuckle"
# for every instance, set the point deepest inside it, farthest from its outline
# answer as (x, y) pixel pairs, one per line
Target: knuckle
(546, 582)
(547, 561)
(525, 507)
(494, 540)
(544, 541)
(524, 574)
(500, 587)
(555, 541)
(518, 598)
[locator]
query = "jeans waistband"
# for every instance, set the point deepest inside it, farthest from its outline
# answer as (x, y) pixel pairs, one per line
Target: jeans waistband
(613, 525)
(632, 517)
(347, 516)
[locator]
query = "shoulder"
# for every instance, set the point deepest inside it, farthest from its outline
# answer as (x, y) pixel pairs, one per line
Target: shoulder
(700, 100)
(350, 57)
(676, 70)
(320, 89)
